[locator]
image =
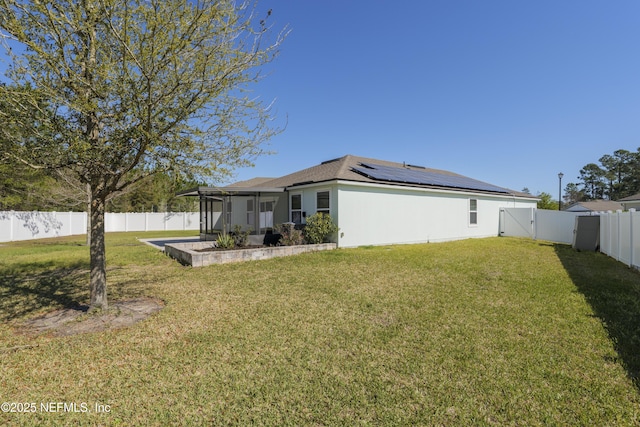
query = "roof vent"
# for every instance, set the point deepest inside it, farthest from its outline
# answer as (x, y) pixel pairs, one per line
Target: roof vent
(416, 166)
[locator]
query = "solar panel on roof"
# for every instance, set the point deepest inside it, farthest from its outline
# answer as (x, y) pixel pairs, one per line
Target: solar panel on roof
(424, 177)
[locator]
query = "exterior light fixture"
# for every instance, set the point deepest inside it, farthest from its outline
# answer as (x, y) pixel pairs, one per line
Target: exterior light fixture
(560, 175)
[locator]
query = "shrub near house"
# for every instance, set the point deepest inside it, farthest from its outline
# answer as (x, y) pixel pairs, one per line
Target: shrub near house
(289, 235)
(319, 228)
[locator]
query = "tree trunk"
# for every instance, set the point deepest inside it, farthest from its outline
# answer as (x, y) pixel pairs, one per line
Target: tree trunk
(88, 189)
(98, 265)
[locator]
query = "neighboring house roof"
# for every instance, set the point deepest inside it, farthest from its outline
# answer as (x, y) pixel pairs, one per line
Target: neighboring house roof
(362, 169)
(595, 206)
(634, 198)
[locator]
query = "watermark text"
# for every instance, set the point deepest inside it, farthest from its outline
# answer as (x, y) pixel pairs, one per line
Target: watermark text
(55, 407)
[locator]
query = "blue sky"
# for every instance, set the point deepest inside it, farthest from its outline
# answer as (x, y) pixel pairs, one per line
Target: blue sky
(508, 92)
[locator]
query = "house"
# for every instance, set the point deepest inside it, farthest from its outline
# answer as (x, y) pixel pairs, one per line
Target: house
(373, 202)
(631, 202)
(595, 206)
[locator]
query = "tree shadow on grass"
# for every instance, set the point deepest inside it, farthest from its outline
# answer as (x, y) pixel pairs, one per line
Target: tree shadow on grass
(31, 287)
(613, 291)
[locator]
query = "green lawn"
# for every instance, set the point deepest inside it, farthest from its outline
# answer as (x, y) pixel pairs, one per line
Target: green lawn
(495, 331)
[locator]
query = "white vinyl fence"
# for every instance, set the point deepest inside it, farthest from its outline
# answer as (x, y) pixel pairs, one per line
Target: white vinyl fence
(619, 231)
(37, 225)
(620, 236)
(541, 224)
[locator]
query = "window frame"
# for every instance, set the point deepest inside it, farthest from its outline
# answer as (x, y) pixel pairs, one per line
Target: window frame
(473, 212)
(292, 210)
(326, 210)
(265, 219)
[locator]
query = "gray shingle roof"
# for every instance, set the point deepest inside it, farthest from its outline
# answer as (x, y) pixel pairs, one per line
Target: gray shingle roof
(595, 206)
(633, 198)
(253, 182)
(342, 169)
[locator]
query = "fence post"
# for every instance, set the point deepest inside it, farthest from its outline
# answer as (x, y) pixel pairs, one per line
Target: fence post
(603, 234)
(631, 212)
(618, 233)
(610, 216)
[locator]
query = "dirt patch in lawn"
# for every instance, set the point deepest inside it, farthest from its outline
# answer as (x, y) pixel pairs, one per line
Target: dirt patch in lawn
(72, 321)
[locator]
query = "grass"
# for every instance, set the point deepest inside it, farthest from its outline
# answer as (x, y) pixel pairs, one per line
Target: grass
(493, 331)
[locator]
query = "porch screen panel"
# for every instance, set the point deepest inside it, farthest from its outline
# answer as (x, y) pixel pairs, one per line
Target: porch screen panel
(250, 213)
(266, 215)
(212, 223)
(203, 215)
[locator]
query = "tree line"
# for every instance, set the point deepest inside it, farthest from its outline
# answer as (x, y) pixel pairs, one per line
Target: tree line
(616, 176)
(26, 189)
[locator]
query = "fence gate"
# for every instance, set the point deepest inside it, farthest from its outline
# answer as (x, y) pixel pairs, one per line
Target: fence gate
(517, 222)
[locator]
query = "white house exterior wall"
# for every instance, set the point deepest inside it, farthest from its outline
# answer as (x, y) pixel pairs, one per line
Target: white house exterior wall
(632, 204)
(384, 214)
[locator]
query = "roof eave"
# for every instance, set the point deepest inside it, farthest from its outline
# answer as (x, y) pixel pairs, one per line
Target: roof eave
(230, 191)
(507, 193)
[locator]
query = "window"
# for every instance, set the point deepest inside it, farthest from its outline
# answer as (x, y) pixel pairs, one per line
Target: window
(266, 214)
(203, 215)
(473, 211)
(322, 202)
(251, 216)
(296, 208)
